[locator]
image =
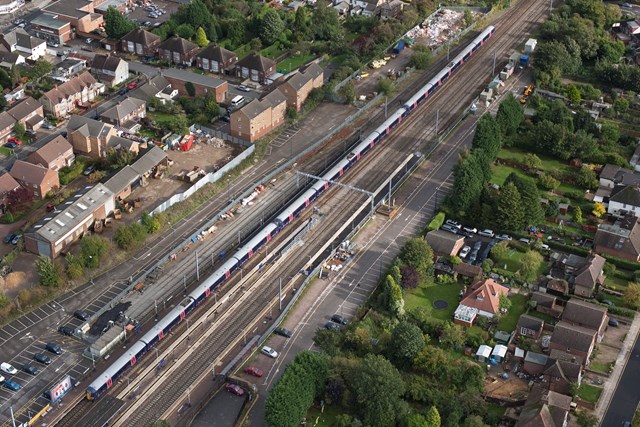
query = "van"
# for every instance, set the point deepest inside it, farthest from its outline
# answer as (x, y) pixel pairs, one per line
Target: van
(237, 101)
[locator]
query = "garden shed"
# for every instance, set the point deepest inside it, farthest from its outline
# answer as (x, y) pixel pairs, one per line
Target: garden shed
(499, 353)
(483, 353)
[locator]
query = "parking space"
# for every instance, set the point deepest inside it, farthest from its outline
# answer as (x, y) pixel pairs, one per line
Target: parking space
(19, 326)
(285, 136)
(152, 17)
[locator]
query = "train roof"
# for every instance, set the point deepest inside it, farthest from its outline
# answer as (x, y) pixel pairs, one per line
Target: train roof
(111, 371)
(296, 204)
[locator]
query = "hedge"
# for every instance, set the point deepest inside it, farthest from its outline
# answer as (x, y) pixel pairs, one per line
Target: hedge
(625, 264)
(621, 311)
(436, 222)
(576, 250)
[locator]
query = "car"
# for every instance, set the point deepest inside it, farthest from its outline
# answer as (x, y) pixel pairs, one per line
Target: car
(30, 369)
(465, 233)
(244, 88)
(82, 315)
(53, 348)
(15, 140)
(282, 332)
(450, 228)
(9, 237)
(268, 351)
(66, 330)
(453, 223)
(225, 119)
(16, 239)
(330, 326)
(89, 170)
(52, 44)
(486, 233)
(470, 229)
(22, 24)
(146, 23)
(11, 145)
(524, 240)
(614, 322)
(626, 424)
(132, 85)
(339, 319)
(88, 40)
(47, 125)
(11, 385)
(545, 247)
(504, 237)
(234, 388)
(42, 358)
(157, 24)
(252, 370)
(608, 302)
(464, 251)
(31, 132)
(7, 368)
(627, 5)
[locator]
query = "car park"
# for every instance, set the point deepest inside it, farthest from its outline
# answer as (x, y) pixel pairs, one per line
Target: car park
(16, 239)
(8, 368)
(11, 385)
(330, 326)
(234, 388)
(504, 237)
(53, 348)
(486, 233)
(464, 251)
(66, 330)
(339, 319)
(30, 369)
(252, 370)
(614, 322)
(453, 223)
(42, 358)
(282, 332)
(82, 315)
(268, 351)
(450, 228)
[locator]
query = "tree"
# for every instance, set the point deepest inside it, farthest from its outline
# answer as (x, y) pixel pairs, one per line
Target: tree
(510, 214)
(385, 86)
(488, 138)
(452, 335)
(92, 249)
(577, 215)
(410, 278)
(532, 161)
(40, 68)
(474, 421)
(186, 31)
(421, 59)
(150, 223)
(500, 251)
(574, 94)
(530, 264)
(407, 342)
(548, 182)
(195, 13)
(19, 130)
(300, 23)
(396, 302)
(632, 296)
(530, 197)
(120, 158)
(598, 209)
(19, 199)
(50, 273)
(416, 420)
(177, 124)
(432, 417)
(201, 37)
(348, 92)
(117, 26)
(417, 253)
(75, 266)
(468, 18)
(377, 388)
(190, 88)
(587, 419)
(271, 26)
(129, 236)
(505, 302)
(467, 185)
(5, 79)
(510, 115)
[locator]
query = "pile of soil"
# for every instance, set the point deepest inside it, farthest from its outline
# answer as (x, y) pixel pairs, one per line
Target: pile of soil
(16, 279)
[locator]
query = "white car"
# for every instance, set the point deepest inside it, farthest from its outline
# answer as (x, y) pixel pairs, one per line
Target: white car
(503, 237)
(268, 351)
(545, 247)
(7, 368)
(453, 223)
(486, 233)
(470, 230)
(524, 240)
(464, 252)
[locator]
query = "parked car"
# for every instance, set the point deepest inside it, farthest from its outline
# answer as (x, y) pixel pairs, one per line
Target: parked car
(8, 368)
(524, 240)
(453, 223)
(11, 145)
(464, 251)
(614, 322)
(42, 358)
(339, 319)
(30, 369)
(225, 119)
(545, 247)
(16, 239)
(268, 351)
(66, 330)
(132, 85)
(11, 385)
(330, 326)
(282, 332)
(82, 315)
(450, 228)
(627, 5)
(608, 302)
(88, 40)
(470, 230)
(53, 348)
(234, 388)
(9, 237)
(486, 233)
(47, 125)
(89, 170)
(244, 88)
(504, 237)
(252, 370)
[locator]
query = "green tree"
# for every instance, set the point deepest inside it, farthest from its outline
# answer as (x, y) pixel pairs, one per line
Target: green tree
(300, 24)
(417, 253)
(453, 335)
(500, 251)
(325, 24)
(120, 158)
(93, 249)
(577, 215)
(415, 420)
(385, 86)
(548, 182)
(530, 265)
(432, 417)
(40, 68)
(510, 114)
(194, 13)
(532, 161)
(467, 185)
(510, 213)
(474, 421)
(530, 197)
(190, 88)
(201, 37)
(396, 302)
(348, 92)
(160, 423)
(468, 18)
(50, 273)
(610, 132)
(421, 59)
(631, 296)
(505, 302)
(129, 236)
(178, 124)
(271, 26)
(186, 31)
(408, 341)
(487, 137)
(574, 94)
(587, 419)
(19, 130)
(75, 266)
(115, 25)
(150, 223)
(377, 388)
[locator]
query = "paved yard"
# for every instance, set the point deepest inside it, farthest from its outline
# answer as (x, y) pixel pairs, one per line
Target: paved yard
(615, 336)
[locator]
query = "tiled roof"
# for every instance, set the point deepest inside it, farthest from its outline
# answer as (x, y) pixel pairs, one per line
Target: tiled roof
(573, 337)
(21, 38)
(584, 313)
(257, 107)
(530, 322)
(256, 62)
(188, 76)
(88, 127)
(72, 87)
(28, 172)
(442, 242)
(178, 44)
(23, 108)
(106, 62)
(623, 236)
(123, 109)
(485, 296)
(217, 53)
(544, 300)
(619, 175)
(7, 183)
(53, 149)
(141, 36)
(6, 120)
(591, 272)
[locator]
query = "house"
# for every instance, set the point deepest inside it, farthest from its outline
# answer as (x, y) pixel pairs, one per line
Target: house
(15, 95)
(635, 159)
(177, 50)
(120, 143)
(7, 185)
(157, 87)
(576, 340)
(140, 42)
(88, 136)
(583, 313)
(342, 8)
(29, 112)
(484, 353)
(35, 178)
(126, 114)
(484, 295)
(624, 199)
(110, 69)
(79, 13)
(130, 177)
(179, 79)
(297, 87)
(583, 275)
(70, 67)
(562, 370)
(546, 303)
(51, 29)
(499, 353)
(444, 243)
(465, 316)
(6, 125)
(21, 42)
(621, 239)
(534, 363)
(529, 326)
(58, 230)
(544, 408)
(64, 98)
(255, 67)
(216, 59)
(612, 176)
(259, 117)
(8, 60)
(54, 155)
(390, 9)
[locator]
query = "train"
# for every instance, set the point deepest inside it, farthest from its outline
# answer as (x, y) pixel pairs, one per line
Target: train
(199, 295)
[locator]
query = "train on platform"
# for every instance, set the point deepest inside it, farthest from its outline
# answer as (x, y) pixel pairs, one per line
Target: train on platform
(202, 292)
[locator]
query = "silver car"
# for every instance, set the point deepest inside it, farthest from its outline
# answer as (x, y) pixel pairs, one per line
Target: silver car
(268, 351)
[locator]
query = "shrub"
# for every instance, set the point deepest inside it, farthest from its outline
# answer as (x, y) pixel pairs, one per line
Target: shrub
(436, 222)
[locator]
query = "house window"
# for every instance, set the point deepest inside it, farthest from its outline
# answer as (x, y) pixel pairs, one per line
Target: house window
(214, 66)
(176, 57)
(205, 63)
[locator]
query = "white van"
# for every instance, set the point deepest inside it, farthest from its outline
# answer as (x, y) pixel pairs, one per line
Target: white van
(237, 101)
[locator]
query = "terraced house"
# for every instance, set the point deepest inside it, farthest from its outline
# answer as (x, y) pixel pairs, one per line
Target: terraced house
(65, 98)
(258, 118)
(140, 42)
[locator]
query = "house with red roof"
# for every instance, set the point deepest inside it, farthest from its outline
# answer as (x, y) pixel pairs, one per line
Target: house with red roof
(483, 299)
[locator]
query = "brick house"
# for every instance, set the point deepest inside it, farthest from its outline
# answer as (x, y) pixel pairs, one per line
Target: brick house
(586, 314)
(79, 13)
(29, 112)
(621, 239)
(7, 185)
(110, 69)
(63, 99)
(36, 178)
(202, 84)
(444, 243)
(544, 408)
(21, 42)
(140, 42)
(6, 125)
(255, 67)
(297, 87)
(546, 303)
(483, 296)
(562, 370)
(51, 29)
(126, 114)
(534, 363)
(89, 137)
(177, 51)
(582, 274)
(54, 155)
(216, 59)
(529, 326)
(259, 117)
(157, 87)
(573, 339)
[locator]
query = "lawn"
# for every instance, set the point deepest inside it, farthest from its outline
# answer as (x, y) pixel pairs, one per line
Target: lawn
(500, 173)
(161, 118)
(616, 283)
(590, 393)
(543, 316)
(601, 367)
(327, 418)
(273, 51)
(518, 155)
(512, 260)
(509, 321)
(293, 62)
(424, 296)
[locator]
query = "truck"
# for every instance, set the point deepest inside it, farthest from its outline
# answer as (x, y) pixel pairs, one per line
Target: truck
(530, 46)
(524, 61)
(399, 47)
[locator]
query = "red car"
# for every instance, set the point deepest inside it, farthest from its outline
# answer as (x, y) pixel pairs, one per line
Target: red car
(14, 140)
(132, 85)
(251, 370)
(234, 388)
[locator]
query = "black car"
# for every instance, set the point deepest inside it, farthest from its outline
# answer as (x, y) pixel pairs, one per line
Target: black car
(53, 348)
(42, 358)
(614, 322)
(65, 330)
(9, 237)
(339, 319)
(30, 369)
(330, 326)
(282, 332)
(82, 315)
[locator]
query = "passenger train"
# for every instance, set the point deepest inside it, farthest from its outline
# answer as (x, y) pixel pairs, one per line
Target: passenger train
(202, 292)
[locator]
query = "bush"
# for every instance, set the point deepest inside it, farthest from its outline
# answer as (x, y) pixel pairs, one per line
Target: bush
(92, 249)
(50, 273)
(436, 222)
(619, 311)
(130, 236)
(75, 266)
(624, 264)
(150, 223)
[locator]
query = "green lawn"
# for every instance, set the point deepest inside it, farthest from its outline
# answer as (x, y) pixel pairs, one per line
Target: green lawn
(424, 296)
(617, 283)
(590, 393)
(293, 62)
(512, 260)
(600, 367)
(161, 118)
(518, 155)
(544, 316)
(500, 173)
(509, 321)
(272, 51)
